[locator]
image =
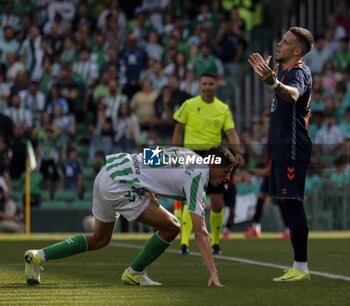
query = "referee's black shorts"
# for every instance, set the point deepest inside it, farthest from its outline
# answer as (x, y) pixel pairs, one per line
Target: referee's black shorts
(210, 188)
(288, 179)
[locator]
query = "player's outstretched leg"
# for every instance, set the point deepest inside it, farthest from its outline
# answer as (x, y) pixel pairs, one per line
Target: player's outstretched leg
(34, 259)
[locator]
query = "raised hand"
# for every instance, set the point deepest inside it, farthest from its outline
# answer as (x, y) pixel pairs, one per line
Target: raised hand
(262, 69)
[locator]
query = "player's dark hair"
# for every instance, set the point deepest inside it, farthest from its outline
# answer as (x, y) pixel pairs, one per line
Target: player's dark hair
(227, 158)
(208, 74)
(305, 38)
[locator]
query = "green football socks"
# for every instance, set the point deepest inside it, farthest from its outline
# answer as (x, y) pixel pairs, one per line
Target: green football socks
(216, 220)
(73, 245)
(186, 226)
(154, 247)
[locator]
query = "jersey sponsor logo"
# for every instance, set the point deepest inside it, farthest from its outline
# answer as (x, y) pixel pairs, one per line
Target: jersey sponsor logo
(136, 163)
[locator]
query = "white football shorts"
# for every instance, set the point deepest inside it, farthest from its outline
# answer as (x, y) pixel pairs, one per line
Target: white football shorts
(111, 199)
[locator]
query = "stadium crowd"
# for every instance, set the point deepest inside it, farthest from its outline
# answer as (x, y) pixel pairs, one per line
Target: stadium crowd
(83, 78)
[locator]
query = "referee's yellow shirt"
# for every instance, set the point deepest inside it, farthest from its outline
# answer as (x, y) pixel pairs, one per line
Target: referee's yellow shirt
(204, 122)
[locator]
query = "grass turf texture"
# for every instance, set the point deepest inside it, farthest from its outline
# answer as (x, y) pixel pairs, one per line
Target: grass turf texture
(93, 278)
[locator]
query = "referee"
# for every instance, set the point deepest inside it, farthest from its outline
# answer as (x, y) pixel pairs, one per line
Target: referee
(199, 125)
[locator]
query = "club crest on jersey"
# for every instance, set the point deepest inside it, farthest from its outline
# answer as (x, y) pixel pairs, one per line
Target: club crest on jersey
(273, 105)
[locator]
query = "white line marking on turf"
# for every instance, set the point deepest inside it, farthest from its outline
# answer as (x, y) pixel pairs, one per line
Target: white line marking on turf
(241, 260)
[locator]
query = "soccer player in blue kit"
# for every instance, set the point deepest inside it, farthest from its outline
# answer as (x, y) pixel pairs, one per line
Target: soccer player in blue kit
(289, 144)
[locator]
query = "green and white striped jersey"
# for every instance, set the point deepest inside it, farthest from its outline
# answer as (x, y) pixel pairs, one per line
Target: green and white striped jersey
(172, 179)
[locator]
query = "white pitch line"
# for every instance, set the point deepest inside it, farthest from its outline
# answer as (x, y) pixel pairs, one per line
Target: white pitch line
(241, 260)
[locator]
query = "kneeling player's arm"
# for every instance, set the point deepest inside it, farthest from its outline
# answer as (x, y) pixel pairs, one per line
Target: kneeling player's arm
(202, 238)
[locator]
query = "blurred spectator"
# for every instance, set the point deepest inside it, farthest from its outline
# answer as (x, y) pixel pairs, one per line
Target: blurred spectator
(207, 62)
(127, 130)
(342, 15)
(98, 162)
(142, 104)
(341, 100)
(82, 15)
(14, 63)
(134, 60)
(345, 124)
(111, 8)
(19, 152)
(190, 84)
(162, 121)
(99, 48)
(328, 141)
(64, 8)
(206, 19)
(330, 76)
(318, 55)
(113, 100)
(155, 73)
(55, 38)
(341, 58)
(102, 133)
(153, 48)
(5, 156)
(8, 18)
(29, 47)
(33, 100)
(229, 47)
(50, 151)
(155, 9)
(64, 123)
(41, 11)
(10, 221)
(69, 53)
(73, 90)
(20, 83)
(72, 177)
(19, 115)
(315, 123)
(317, 101)
(178, 67)
(86, 67)
(55, 98)
(6, 127)
(102, 89)
(178, 96)
(8, 43)
(246, 183)
(4, 92)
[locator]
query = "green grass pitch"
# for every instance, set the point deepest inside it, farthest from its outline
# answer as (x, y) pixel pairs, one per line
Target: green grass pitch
(246, 269)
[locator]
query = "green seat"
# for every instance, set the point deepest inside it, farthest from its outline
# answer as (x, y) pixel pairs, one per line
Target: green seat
(88, 173)
(88, 195)
(66, 195)
(53, 204)
(86, 204)
(17, 196)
